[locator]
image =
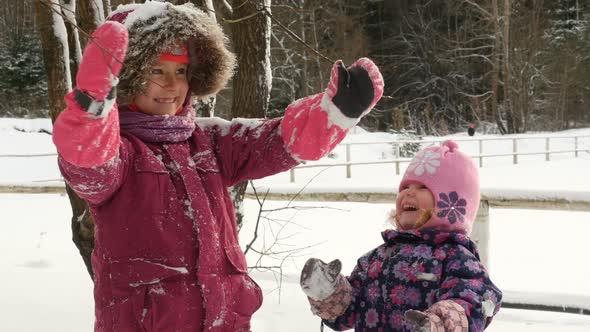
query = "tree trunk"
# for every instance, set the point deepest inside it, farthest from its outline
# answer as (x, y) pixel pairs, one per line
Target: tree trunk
(510, 120)
(496, 69)
(91, 15)
(56, 61)
(253, 80)
(75, 53)
(206, 108)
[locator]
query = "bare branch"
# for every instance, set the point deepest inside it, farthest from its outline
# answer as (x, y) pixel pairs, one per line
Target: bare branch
(478, 7)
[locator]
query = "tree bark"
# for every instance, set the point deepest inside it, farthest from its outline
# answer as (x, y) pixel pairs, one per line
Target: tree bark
(75, 53)
(206, 108)
(253, 80)
(91, 15)
(251, 41)
(496, 68)
(510, 120)
(55, 56)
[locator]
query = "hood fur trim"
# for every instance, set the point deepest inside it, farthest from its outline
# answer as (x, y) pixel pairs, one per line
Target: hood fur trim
(156, 26)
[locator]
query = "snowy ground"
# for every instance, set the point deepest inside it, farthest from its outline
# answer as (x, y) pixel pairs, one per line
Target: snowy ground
(44, 285)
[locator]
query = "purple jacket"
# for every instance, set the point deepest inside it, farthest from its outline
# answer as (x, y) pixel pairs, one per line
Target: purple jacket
(414, 270)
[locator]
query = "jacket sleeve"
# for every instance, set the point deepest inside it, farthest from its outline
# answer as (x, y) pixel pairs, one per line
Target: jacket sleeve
(247, 149)
(314, 125)
(348, 319)
(466, 282)
(91, 157)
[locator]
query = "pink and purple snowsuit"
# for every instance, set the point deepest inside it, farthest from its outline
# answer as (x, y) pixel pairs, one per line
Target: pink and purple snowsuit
(415, 270)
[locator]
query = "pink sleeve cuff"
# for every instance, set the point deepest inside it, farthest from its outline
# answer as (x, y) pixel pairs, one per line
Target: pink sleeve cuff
(84, 141)
(307, 130)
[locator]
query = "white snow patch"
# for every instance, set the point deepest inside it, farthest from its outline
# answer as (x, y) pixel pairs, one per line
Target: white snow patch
(319, 285)
(181, 270)
(61, 33)
(141, 12)
(211, 123)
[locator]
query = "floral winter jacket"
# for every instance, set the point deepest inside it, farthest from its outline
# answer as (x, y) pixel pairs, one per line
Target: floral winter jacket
(414, 270)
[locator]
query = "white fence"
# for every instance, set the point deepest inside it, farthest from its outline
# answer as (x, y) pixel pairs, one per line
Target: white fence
(574, 147)
(573, 144)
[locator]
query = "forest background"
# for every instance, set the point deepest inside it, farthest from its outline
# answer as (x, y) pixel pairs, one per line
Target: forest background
(509, 66)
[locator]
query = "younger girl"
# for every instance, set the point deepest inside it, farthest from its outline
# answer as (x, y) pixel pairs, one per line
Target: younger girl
(427, 275)
(166, 254)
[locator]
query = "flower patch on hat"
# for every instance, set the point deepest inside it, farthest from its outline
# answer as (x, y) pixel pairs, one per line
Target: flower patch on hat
(452, 207)
(426, 160)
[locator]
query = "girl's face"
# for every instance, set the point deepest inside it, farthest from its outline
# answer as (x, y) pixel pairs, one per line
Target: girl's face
(413, 200)
(166, 90)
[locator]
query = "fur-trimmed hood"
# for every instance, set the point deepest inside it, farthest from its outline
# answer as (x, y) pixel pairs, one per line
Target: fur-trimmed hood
(154, 27)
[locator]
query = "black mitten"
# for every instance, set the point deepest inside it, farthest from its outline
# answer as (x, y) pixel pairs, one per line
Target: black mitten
(355, 91)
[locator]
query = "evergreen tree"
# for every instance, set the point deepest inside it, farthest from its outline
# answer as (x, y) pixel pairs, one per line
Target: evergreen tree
(21, 67)
(567, 92)
(23, 86)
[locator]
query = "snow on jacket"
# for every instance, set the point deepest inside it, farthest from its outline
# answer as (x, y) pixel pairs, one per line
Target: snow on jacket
(165, 230)
(414, 270)
(166, 254)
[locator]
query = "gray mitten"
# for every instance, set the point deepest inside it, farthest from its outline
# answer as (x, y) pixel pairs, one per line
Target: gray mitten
(328, 292)
(318, 279)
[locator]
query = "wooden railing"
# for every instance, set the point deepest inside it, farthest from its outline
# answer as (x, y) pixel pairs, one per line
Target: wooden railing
(576, 149)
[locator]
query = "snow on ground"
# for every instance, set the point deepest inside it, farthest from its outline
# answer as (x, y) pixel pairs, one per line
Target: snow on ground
(44, 284)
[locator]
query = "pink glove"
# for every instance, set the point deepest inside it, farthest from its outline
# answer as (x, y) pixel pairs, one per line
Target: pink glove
(329, 292)
(443, 316)
(101, 63)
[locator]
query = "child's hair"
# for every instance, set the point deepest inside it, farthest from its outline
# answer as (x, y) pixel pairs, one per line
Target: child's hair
(157, 27)
(453, 179)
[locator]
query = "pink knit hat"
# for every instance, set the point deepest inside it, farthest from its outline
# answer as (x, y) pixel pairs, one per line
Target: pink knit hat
(453, 179)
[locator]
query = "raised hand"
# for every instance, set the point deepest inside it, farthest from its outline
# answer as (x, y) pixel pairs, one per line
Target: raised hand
(101, 63)
(318, 279)
(356, 89)
(328, 292)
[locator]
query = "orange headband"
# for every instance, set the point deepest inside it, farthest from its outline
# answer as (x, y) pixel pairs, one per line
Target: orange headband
(175, 54)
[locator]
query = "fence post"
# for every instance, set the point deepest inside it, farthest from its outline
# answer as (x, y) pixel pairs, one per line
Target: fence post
(480, 152)
(481, 232)
(396, 148)
(576, 146)
(547, 147)
(292, 174)
(348, 161)
(514, 151)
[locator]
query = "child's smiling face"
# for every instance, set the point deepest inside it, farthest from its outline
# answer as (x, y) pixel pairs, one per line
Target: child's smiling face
(413, 201)
(166, 90)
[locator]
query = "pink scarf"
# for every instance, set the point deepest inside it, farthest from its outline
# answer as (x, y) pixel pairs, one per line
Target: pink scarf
(158, 128)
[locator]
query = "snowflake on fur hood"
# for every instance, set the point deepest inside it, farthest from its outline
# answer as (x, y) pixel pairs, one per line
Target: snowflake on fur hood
(155, 27)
